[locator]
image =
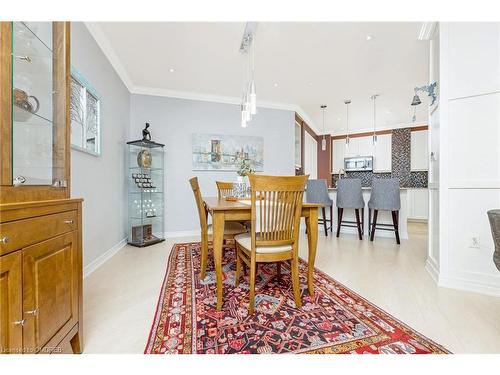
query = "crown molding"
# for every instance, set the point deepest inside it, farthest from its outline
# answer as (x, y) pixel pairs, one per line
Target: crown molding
(105, 46)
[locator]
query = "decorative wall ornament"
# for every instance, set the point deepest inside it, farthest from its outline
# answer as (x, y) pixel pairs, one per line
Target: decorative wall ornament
(226, 152)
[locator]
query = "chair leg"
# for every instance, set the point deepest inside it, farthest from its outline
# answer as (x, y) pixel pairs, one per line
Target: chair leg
(278, 271)
(331, 218)
(358, 223)
(251, 298)
(369, 221)
(396, 225)
(374, 224)
(340, 212)
(238, 267)
(324, 221)
(204, 256)
(363, 220)
(295, 280)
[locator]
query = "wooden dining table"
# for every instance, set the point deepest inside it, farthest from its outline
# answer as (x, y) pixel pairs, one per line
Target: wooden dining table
(223, 210)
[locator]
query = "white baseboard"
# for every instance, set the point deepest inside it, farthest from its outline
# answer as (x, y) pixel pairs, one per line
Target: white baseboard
(96, 263)
(454, 282)
(431, 268)
(182, 233)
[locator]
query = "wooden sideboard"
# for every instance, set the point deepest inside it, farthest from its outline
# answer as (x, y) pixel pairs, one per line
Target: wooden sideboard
(40, 226)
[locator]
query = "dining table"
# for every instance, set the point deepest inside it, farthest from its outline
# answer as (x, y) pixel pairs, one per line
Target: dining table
(222, 210)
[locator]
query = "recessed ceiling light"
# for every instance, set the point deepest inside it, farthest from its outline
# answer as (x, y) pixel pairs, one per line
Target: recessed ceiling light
(275, 84)
(368, 37)
(338, 118)
(388, 112)
(171, 70)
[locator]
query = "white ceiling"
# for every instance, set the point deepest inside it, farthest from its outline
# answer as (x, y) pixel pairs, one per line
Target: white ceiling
(312, 63)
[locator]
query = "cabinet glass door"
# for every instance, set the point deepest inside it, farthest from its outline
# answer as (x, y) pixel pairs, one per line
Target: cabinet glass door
(38, 104)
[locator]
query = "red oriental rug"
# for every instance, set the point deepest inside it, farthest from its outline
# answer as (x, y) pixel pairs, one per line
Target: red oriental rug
(336, 320)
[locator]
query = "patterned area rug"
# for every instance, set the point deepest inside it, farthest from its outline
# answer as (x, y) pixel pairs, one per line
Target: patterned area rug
(336, 320)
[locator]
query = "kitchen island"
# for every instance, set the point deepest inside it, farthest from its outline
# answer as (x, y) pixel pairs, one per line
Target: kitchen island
(384, 217)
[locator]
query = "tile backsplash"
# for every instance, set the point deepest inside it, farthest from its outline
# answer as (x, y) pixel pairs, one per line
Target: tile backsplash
(401, 164)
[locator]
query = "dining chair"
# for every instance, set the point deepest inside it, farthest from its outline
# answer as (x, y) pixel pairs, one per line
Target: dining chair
(385, 196)
(276, 204)
(317, 192)
(230, 230)
(224, 189)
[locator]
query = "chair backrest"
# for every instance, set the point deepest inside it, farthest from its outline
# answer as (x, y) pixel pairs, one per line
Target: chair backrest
(200, 205)
(385, 194)
(349, 193)
(317, 192)
(276, 206)
(224, 189)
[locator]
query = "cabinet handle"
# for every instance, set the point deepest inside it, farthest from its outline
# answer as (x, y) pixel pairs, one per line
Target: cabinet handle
(4, 240)
(32, 312)
(20, 322)
(68, 221)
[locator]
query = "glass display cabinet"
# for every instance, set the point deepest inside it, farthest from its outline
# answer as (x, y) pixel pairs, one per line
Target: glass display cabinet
(145, 193)
(34, 99)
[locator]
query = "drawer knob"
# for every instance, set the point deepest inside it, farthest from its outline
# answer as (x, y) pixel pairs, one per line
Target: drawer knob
(4, 240)
(32, 312)
(68, 221)
(20, 322)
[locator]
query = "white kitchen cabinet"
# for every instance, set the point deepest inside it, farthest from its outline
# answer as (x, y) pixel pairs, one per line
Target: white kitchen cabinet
(418, 204)
(353, 148)
(382, 158)
(310, 156)
(338, 154)
(419, 159)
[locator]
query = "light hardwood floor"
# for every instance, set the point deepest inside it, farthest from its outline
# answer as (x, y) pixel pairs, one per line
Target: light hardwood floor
(120, 297)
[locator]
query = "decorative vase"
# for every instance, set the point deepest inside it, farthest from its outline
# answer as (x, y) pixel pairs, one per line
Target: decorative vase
(494, 216)
(240, 187)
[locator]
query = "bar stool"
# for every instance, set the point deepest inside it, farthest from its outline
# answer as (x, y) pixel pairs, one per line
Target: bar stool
(385, 196)
(350, 195)
(317, 192)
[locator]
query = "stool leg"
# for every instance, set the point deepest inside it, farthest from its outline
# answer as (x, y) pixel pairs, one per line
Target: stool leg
(324, 221)
(396, 225)
(363, 220)
(374, 224)
(358, 223)
(340, 211)
(331, 218)
(369, 221)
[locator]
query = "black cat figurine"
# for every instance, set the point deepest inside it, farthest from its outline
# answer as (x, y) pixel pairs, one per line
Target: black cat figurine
(146, 135)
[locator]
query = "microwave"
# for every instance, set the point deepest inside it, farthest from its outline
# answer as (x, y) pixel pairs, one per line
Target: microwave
(359, 163)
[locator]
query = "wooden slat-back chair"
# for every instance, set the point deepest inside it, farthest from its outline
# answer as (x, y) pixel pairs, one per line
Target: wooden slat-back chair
(230, 229)
(224, 189)
(276, 207)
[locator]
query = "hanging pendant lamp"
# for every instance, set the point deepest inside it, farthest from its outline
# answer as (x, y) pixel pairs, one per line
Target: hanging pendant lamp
(323, 141)
(374, 137)
(347, 140)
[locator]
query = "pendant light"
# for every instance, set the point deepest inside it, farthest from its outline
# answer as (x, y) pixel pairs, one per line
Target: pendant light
(323, 141)
(347, 140)
(374, 137)
(249, 98)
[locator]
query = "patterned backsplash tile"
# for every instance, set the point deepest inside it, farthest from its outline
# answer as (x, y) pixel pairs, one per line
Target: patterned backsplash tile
(401, 164)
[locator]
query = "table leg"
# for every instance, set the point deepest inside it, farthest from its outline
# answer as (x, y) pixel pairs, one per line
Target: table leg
(218, 238)
(312, 241)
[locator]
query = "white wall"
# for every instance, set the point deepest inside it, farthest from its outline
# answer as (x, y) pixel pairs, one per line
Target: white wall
(469, 174)
(100, 180)
(173, 121)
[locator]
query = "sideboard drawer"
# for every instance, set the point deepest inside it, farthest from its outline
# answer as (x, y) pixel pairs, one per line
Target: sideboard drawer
(17, 234)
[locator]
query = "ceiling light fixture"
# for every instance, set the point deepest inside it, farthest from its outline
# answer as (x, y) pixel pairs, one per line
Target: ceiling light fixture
(374, 137)
(275, 84)
(368, 37)
(249, 98)
(323, 141)
(347, 140)
(171, 70)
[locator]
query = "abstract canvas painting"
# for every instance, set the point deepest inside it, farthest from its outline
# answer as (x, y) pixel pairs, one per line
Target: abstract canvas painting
(225, 152)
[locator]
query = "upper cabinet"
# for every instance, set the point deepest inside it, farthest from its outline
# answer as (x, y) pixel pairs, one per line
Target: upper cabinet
(382, 157)
(419, 159)
(34, 107)
(338, 154)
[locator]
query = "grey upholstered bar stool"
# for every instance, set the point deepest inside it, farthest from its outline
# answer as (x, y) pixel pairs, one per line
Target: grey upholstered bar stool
(350, 195)
(317, 192)
(385, 196)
